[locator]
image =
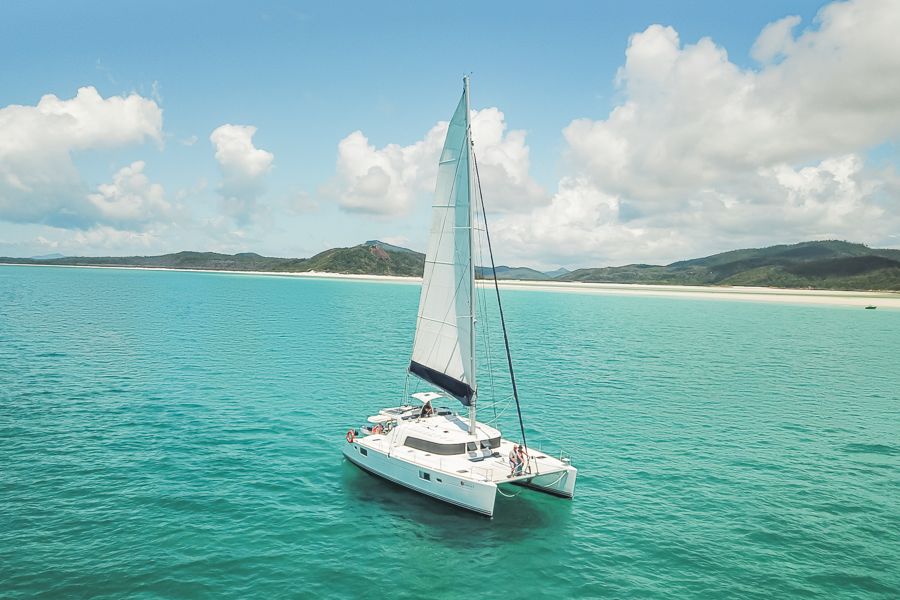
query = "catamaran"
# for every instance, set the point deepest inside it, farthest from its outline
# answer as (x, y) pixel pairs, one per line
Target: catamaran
(425, 446)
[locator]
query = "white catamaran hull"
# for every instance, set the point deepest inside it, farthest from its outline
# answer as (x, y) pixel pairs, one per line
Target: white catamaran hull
(476, 496)
(558, 484)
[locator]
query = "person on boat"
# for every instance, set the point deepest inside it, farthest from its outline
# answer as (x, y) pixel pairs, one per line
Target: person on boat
(427, 411)
(378, 429)
(523, 459)
(514, 460)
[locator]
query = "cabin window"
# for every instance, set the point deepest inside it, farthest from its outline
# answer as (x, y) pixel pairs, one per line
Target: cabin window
(425, 476)
(471, 446)
(363, 451)
(434, 447)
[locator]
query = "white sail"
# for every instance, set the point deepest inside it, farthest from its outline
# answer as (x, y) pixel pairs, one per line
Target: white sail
(444, 342)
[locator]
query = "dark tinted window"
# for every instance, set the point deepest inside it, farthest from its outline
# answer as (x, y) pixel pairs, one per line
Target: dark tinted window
(448, 449)
(433, 447)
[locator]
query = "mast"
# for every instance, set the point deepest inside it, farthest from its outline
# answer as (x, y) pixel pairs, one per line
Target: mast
(470, 150)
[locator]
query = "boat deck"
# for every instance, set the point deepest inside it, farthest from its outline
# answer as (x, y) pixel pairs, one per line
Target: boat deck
(477, 468)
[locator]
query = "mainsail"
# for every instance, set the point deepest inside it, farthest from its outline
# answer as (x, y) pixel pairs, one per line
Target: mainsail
(444, 344)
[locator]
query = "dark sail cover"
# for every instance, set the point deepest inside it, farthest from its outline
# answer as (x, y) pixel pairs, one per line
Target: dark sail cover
(454, 387)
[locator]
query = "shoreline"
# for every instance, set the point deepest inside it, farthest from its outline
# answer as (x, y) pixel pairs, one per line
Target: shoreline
(847, 298)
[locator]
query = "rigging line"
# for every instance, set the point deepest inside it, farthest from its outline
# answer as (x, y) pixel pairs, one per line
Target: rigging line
(405, 390)
(512, 376)
(502, 411)
(486, 328)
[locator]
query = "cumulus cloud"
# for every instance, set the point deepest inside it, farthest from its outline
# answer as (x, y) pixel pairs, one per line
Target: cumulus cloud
(385, 181)
(112, 239)
(39, 183)
(704, 155)
(131, 200)
(244, 168)
(585, 226)
(503, 163)
(388, 180)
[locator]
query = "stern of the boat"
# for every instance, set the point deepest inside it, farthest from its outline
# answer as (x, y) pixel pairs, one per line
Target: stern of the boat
(558, 482)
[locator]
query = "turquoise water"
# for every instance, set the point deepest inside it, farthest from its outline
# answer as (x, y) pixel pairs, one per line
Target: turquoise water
(178, 435)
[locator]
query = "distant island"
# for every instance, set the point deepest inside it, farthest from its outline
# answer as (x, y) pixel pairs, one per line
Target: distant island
(828, 265)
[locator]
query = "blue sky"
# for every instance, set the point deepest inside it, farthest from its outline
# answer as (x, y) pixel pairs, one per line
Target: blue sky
(307, 76)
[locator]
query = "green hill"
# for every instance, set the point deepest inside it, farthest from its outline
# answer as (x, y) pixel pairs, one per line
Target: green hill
(827, 264)
(363, 259)
(504, 272)
(824, 265)
(367, 260)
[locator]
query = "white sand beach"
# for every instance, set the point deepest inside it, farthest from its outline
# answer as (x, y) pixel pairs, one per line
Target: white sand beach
(889, 300)
(747, 294)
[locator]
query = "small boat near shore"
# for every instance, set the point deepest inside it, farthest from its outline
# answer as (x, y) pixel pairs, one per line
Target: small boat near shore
(426, 446)
(871, 307)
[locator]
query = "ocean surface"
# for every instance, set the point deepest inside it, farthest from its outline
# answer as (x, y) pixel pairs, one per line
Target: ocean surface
(178, 435)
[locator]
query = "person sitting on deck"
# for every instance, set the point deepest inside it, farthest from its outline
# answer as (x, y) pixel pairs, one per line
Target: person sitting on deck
(427, 411)
(514, 460)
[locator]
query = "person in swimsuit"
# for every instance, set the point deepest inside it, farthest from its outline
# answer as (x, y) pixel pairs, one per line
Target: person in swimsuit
(514, 460)
(523, 459)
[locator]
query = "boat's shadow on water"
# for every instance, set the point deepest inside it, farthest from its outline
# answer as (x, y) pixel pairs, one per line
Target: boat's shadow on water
(524, 515)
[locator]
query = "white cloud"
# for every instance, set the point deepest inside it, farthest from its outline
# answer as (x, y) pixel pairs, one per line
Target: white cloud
(702, 155)
(112, 240)
(244, 168)
(692, 117)
(775, 40)
(585, 226)
(503, 163)
(38, 180)
(581, 226)
(389, 180)
(385, 181)
(131, 200)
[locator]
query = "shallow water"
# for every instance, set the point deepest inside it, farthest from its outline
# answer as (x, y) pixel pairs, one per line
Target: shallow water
(178, 434)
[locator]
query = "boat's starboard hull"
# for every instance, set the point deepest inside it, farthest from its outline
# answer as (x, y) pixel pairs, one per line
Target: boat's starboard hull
(556, 484)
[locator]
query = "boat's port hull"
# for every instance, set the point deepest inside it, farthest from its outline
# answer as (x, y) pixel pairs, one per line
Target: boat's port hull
(471, 495)
(557, 484)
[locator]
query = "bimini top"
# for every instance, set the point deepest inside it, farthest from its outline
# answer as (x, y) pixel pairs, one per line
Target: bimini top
(424, 397)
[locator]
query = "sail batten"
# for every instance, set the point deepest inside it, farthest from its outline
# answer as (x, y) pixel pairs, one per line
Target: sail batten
(444, 342)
